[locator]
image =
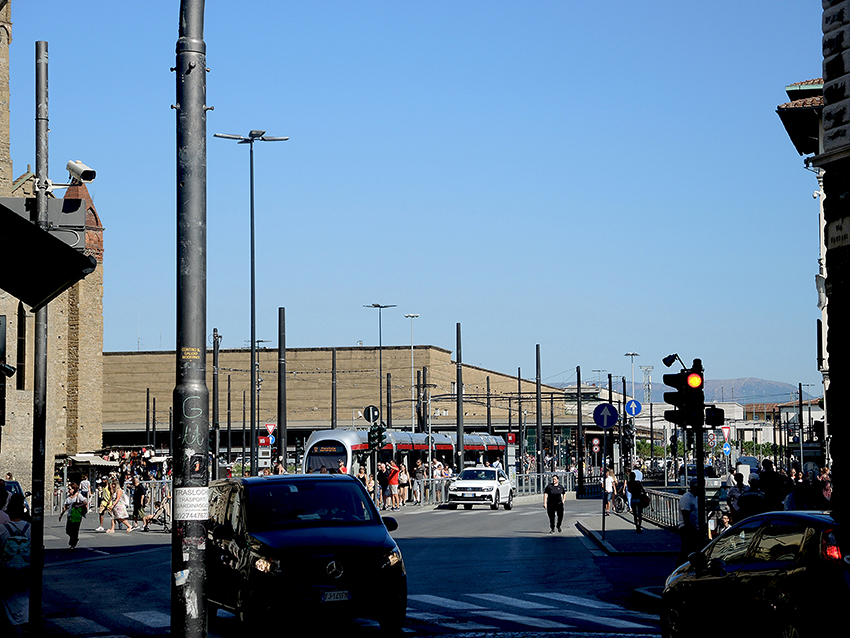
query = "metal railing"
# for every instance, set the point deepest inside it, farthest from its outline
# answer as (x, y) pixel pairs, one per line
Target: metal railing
(157, 490)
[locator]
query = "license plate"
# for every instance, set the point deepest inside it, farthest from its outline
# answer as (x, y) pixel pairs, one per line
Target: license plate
(331, 596)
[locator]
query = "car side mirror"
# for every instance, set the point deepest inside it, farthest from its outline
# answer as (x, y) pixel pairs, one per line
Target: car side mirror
(698, 561)
(390, 523)
(716, 567)
(223, 533)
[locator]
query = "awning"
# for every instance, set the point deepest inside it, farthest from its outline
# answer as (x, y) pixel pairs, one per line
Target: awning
(92, 459)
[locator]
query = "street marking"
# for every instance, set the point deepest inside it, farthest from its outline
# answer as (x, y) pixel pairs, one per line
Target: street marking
(150, 618)
(511, 602)
(540, 623)
(468, 626)
(78, 625)
(448, 603)
(616, 623)
(578, 600)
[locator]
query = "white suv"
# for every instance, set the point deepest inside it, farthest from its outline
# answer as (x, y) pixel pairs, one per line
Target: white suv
(481, 485)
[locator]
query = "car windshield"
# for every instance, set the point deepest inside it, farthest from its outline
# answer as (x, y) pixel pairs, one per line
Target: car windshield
(478, 475)
(279, 505)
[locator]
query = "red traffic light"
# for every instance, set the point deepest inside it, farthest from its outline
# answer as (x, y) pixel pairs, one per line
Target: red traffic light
(695, 380)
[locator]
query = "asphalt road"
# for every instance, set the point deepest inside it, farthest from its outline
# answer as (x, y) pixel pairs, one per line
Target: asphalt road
(472, 572)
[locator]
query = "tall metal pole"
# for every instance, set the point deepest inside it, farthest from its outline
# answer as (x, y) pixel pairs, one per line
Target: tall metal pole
(281, 383)
(215, 405)
(254, 450)
(538, 406)
(579, 437)
(412, 395)
(39, 416)
(459, 404)
(191, 397)
(333, 389)
(229, 425)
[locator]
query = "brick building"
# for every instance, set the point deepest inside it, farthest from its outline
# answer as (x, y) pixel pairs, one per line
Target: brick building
(74, 332)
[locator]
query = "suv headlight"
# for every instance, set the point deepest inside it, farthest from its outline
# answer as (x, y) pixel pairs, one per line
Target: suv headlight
(265, 566)
(487, 488)
(392, 558)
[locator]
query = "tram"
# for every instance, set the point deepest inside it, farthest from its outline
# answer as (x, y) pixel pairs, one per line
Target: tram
(326, 448)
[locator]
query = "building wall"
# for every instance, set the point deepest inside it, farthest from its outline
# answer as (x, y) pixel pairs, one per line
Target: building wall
(74, 334)
(128, 375)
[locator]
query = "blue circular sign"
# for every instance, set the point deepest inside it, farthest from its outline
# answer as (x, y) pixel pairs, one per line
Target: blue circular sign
(605, 416)
(727, 449)
(633, 407)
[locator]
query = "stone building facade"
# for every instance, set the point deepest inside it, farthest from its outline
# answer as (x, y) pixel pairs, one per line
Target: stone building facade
(130, 377)
(74, 332)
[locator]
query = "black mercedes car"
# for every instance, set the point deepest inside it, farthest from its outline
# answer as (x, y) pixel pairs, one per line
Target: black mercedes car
(774, 574)
(313, 546)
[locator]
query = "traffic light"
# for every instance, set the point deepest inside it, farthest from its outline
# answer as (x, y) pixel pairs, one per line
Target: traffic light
(380, 436)
(677, 399)
(714, 417)
(373, 437)
(689, 398)
(674, 442)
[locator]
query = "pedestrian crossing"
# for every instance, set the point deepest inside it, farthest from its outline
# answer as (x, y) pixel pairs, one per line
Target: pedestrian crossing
(551, 611)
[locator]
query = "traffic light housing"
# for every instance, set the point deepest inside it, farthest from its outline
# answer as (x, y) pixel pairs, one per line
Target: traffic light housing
(714, 417)
(689, 397)
(373, 437)
(380, 436)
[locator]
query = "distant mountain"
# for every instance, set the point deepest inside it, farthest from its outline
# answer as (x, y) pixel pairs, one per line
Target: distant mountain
(744, 391)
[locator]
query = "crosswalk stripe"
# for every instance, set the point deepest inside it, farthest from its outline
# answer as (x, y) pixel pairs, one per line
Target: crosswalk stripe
(511, 602)
(540, 623)
(150, 618)
(448, 603)
(578, 600)
(616, 623)
(468, 626)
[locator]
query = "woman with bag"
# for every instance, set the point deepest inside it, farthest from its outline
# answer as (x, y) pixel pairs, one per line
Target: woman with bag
(76, 507)
(118, 507)
(640, 499)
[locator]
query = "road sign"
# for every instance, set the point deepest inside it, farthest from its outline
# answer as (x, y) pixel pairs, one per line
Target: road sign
(270, 427)
(271, 439)
(727, 449)
(371, 413)
(595, 441)
(726, 430)
(605, 416)
(633, 407)
(263, 440)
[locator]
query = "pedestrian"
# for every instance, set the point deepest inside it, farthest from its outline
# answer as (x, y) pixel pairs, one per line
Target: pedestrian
(341, 467)
(14, 568)
(76, 507)
(117, 507)
(140, 501)
(403, 484)
(689, 531)
(361, 475)
(105, 499)
(637, 497)
(723, 526)
(733, 494)
(393, 481)
(418, 482)
(553, 503)
(610, 487)
(382, 490)
(85, 487)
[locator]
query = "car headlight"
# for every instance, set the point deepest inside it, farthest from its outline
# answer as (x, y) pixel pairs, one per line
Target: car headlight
(488, 488)
(393, 558)
(264, 565)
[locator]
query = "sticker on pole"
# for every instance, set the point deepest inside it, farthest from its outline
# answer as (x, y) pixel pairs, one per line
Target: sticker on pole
(191, 504)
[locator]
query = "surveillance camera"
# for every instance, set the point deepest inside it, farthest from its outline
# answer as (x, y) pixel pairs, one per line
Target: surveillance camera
(80, 172)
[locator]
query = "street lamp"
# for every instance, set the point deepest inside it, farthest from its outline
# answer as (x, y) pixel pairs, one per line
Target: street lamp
(380, 359)
(253, 136)
(632, 355)
(412, 395)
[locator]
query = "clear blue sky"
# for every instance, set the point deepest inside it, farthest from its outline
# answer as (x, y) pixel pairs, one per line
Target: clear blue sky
(594, 178)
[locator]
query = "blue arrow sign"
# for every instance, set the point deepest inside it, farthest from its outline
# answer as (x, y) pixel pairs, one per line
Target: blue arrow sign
(633, 407)
(271, 439)
(605, 416)
(727, 449)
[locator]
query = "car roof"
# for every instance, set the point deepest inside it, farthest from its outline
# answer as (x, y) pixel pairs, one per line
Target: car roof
(809, 516)
(282, 478)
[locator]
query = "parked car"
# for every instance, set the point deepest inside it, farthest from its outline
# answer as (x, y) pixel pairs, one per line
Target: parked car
(302, 546)
(774, 574)
(487, 485)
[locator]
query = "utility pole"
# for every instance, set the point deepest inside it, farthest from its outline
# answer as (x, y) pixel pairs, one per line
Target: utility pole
(191, 397)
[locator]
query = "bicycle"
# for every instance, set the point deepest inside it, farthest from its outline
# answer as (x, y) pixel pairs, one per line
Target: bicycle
(619, 503)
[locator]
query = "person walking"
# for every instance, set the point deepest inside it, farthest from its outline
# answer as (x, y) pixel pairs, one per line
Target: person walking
(689, 532)
(610, 488)
(418, 482)
(140, 501)
(553, 503)
(117, 507)
(637, 494)
(76, 507)
(14, 569)
(105, 499)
